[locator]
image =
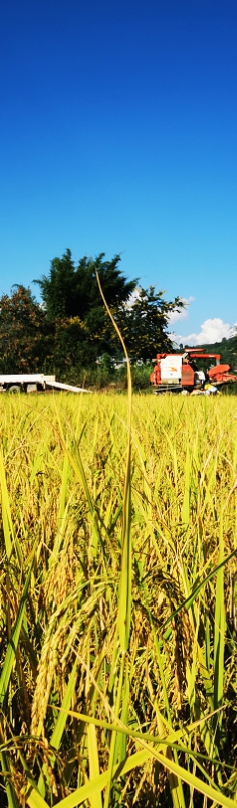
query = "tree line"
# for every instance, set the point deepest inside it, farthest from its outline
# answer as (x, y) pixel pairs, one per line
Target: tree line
(70, 329)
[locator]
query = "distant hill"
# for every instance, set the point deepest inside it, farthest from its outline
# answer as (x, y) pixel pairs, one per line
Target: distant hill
(227, 349)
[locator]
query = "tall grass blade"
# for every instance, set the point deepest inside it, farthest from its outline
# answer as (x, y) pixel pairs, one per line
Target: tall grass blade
(175, 784)
(6, 768)
(10, 540)
(60, 724)
(78, 468)
(124, 604)
(13, 644)
(94, 770)
(124, 608)
(138, 759)
(34, 800)
(187, 481)
(219, 633)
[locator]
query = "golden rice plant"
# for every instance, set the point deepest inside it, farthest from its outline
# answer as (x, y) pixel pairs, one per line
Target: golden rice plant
(118, 601)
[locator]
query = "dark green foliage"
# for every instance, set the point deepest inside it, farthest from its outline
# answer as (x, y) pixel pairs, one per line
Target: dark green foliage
(26, 336)
(72, 329)
(73, 303)
(144, 325)
(228, 351)
(71, 291)
(140, 378)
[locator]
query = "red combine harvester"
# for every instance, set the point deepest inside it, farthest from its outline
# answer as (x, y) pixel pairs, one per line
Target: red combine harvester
(178, 372)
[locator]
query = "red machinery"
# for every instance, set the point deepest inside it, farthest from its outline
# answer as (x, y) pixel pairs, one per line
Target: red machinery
(177, 372)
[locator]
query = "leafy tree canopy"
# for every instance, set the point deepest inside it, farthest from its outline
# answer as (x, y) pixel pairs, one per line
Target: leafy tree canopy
(72, 329)
(26, 343)
(144, 324)
(72, 291)
(227, 348)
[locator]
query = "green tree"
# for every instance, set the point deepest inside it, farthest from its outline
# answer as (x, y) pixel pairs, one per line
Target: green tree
(73, 346)
(83, 330)
(70, 294)
(227, 348)
(144, 324)
(71, 291)
(26, 337)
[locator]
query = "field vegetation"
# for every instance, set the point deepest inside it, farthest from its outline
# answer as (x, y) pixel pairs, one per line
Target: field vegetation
(118, 601)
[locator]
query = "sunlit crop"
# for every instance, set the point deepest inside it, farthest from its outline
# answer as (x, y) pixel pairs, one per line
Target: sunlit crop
(118, 601)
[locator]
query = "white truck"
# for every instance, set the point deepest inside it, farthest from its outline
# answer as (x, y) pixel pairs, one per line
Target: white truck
(32, 382)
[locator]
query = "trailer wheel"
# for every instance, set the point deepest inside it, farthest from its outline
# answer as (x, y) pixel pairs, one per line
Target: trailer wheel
(15, 388)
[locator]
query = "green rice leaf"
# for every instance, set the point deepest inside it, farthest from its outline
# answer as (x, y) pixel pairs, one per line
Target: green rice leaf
(13, 644)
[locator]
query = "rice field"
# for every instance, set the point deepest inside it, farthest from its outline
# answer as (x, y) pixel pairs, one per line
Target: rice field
(118, 621)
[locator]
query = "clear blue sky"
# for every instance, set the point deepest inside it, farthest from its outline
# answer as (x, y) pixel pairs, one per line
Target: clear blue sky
(119, 135)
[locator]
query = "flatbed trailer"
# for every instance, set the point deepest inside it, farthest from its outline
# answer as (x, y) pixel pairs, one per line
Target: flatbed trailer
(34, 382)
